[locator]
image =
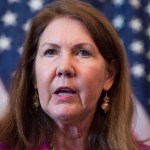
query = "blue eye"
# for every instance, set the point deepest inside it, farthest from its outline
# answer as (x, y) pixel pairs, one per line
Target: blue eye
(50, 52)
(83, 52)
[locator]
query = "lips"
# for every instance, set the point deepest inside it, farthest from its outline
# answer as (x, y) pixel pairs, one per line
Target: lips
(64, 91)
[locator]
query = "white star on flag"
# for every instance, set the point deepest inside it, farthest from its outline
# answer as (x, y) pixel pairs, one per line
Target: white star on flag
(137, 47)
(138, 70)
(136, 24)
(35, 5)
(9, 18)
(20, 50)
(118, 2)
(26, 25)
(135, 3)
(118, 21)
(5, 43)
(147, 8)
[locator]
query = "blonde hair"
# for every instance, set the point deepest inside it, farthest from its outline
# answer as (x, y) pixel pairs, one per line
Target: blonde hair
(23, 128)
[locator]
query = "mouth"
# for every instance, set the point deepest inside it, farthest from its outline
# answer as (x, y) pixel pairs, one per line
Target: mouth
(65, 91)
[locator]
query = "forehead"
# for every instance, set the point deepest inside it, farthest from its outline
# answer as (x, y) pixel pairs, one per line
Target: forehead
(65, 28)
(66, 22)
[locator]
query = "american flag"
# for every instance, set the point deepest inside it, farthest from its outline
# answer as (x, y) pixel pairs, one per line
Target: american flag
(130, 18)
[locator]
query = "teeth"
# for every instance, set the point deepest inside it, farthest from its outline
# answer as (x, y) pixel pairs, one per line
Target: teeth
(64, 94)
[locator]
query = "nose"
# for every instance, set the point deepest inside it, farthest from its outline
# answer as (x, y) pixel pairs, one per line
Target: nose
(65, 67)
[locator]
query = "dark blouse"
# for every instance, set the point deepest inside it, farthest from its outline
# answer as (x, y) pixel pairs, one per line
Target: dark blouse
(144, 147)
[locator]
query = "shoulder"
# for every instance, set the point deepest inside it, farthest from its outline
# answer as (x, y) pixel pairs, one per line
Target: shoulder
(144, 147)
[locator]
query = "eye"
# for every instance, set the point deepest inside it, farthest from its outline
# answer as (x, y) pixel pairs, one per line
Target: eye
(84, 52)
(51, 52)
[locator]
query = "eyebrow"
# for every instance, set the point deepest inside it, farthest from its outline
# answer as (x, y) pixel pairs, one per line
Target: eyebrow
(74, 46)
(51, 44)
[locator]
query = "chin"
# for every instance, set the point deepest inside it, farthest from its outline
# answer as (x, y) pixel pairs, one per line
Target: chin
(66, 117)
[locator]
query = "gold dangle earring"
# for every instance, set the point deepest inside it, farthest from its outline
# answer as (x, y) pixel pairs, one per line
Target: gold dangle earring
(35, 103)
(105, 105)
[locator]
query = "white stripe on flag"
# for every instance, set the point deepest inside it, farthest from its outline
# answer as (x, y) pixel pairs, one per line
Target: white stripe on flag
(141, 123)
(3, 99)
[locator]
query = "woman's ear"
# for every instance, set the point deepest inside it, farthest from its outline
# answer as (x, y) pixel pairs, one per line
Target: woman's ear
(112, 69)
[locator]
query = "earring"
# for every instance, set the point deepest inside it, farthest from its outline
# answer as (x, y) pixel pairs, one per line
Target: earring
(35, 103)
(105, 105)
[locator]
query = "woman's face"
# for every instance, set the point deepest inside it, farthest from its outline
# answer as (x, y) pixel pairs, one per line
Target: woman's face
(70, 71)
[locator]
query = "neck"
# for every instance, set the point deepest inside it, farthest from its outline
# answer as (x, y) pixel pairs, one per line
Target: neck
(71, 135)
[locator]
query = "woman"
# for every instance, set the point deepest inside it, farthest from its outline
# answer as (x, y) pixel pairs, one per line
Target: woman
(71, 89)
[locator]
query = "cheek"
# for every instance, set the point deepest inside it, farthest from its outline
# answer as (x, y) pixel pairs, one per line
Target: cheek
(43, 72)
(95, 76)
(43, 81)
(42, 77)
(92, 83)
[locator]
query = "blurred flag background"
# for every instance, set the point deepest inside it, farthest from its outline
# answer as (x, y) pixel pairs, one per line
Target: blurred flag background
(130, 18)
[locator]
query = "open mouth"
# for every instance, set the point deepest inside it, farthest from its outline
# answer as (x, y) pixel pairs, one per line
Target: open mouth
(65, 91)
